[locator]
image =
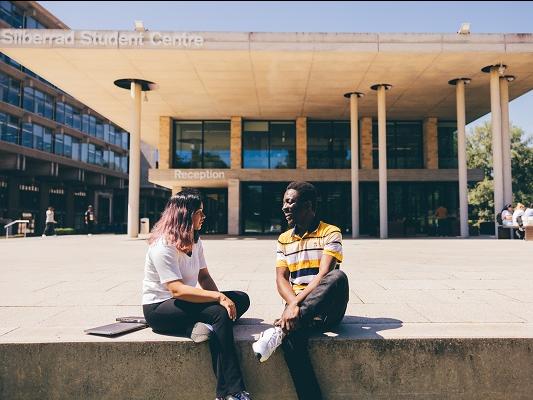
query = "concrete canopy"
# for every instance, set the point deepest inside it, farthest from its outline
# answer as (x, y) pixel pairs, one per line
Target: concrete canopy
(286, 75)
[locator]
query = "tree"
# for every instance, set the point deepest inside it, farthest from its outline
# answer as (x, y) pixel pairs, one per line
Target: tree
(479, 155)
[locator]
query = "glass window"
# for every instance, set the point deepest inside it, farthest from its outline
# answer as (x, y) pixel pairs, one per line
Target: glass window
(69, 115)
(84, 152)
(99, 129)
(269, 144)
(76, 118)
(10, 13)
(404, 145)
(124, 143)
(328, 144)
(9, 90)
(216, 144)
(447, 142)
(201, 144)
(38, 102)
(67, 146)
(91, 158)
(188, 144)
(85, 123)
(27, 135)
(32, 23)
(60, 112)
(59, 143)
(124, 164)
(9, 128)
(76, 148)
(47, 139)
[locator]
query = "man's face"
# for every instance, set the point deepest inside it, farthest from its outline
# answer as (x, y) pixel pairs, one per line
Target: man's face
(293, 209)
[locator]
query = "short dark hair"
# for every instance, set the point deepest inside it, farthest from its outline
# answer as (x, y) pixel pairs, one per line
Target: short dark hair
(306, 192)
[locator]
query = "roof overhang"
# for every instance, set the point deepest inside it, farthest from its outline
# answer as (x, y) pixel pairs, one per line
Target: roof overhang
(208, 75)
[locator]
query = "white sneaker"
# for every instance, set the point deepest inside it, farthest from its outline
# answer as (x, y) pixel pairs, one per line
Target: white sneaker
(201, 332)
(267, 343)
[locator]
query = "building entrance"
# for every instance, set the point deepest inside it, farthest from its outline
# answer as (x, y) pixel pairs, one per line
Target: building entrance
(216, 210)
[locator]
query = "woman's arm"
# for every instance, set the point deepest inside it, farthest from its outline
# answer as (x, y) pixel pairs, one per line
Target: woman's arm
(206, 281)
(181, 291)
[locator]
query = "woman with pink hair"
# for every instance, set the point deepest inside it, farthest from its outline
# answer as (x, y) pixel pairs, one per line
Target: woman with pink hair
(180, 297)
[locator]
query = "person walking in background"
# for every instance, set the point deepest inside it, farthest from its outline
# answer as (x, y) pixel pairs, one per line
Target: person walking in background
(50, 223)
(441, 214)
(90, 220)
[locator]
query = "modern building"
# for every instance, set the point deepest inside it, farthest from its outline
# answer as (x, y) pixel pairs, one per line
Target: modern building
(376, 121)
(55, 150)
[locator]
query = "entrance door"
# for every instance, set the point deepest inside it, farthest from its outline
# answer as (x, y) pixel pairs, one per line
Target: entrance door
(216, 210)
(103, 212)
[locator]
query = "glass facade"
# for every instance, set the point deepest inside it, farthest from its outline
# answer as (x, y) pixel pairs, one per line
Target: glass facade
(447, 139)
(9, 90)
(411, 207)
(328, 144)
(37, 102)
(201, 144)
(9, 128)
(11, 14)
(404, 145)
(269, 144)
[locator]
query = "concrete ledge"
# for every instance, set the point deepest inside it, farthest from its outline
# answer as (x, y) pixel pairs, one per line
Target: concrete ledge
(347, 369)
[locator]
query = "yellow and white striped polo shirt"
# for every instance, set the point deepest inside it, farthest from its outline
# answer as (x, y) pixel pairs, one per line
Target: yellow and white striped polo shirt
(301, 255)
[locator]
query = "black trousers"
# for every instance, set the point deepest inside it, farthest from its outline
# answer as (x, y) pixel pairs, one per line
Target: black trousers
(178, 317)
(50, 228)
(327, 301)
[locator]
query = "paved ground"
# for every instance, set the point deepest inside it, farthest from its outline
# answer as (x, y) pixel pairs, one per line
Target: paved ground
(53, 288)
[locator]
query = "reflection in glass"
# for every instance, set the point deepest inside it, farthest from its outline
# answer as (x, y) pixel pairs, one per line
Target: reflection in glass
(447, 138)
(201, 144)
(269, 144)
(328, 144)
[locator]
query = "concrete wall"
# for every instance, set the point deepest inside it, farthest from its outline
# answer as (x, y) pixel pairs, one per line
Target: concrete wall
(414, 369)
(165, 145)
(431, 143)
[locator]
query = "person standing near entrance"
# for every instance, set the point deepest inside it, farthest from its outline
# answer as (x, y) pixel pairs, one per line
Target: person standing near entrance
(90, 220)
(50, 223)
(441, 214)
(309, 281)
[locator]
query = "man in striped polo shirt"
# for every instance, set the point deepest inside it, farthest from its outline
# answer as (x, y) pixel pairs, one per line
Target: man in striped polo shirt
(308, 278)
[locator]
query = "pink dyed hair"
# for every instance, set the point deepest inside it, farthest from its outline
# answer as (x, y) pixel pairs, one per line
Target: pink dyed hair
(175, 225)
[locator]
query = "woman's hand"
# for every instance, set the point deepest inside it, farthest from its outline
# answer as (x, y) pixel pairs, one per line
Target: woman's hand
(229, 305)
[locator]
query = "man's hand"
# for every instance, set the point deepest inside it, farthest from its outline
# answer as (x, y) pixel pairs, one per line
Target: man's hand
(290, 316)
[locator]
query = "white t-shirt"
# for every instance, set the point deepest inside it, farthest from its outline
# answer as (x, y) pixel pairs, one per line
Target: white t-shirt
(49, 216)
(164, 263)
(516, 214)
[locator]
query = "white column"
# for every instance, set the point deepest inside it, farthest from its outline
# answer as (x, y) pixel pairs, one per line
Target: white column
(354, 138)
(461, 153)
(135, 161)
(496, 141)
(234, 207)
(506, 140)
(382, 150)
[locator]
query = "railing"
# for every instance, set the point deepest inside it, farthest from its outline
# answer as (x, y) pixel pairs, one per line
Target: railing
(18, 221)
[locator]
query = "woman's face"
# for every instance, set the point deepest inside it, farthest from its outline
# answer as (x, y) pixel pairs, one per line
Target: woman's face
(198, 218)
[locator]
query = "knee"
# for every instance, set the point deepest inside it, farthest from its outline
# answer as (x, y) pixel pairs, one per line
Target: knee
(242, 301)
(337, 276)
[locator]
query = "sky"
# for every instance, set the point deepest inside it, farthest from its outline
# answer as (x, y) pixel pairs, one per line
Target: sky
(304, 16)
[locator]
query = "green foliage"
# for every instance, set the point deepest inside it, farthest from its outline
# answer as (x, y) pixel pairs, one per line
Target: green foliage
(479, 155)
(65, 231)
